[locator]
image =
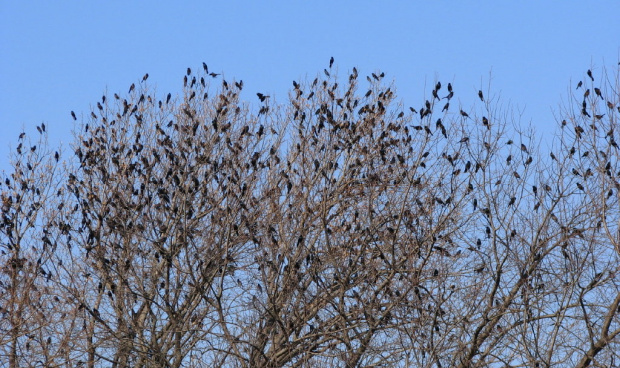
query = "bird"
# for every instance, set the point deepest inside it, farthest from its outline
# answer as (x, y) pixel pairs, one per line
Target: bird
(580, 186)
(168, 98)
(205, 67)
(553, 156)
(485, 122)
(331, 61)
(447, 105)
(146, 76)
(73, 115)
(523, 147)
(481, 96)
(262, 97)
(132, 87)
(579, 84)
(438, 86)
(586, 93)
(214, 74)
(189, 71)
(598, 93)
(463, 113)
(449, 87)
(590, 75)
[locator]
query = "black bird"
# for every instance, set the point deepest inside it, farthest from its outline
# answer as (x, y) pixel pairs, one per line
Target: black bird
(523, 147)
(146, 76)
(579, 84)
(449, 87)
(132, 87)
(598, 93)
(73, 115)
(331, 61)
(463, 113)
(586, 93)
(481, 96)
(438, 86)
(262, 97)
(579, 186)
(590, 75)
(189, 71)
(168, 97)
(214, 74)
(205, 67)
(447, 105)
(485, 122)
(512, 201)
(535, 190)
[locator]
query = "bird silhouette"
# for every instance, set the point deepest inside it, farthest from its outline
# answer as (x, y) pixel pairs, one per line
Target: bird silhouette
(205, 67)
(73, 115)
(598, 93)
(579, 84)
(481, 96)
(590, 75)
(331, 61)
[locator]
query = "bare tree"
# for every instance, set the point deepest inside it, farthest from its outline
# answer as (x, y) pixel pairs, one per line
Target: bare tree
(338, 229)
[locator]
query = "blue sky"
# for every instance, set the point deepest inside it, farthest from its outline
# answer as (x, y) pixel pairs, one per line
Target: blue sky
(58, 56)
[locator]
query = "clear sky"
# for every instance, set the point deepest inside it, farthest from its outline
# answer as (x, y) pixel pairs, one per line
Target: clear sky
(58, 56)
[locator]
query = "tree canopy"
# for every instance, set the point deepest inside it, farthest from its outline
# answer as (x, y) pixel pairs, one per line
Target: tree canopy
(339, 228)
